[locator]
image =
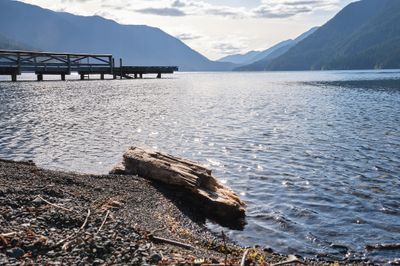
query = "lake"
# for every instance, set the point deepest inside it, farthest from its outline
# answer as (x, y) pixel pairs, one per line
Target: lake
(315, 155)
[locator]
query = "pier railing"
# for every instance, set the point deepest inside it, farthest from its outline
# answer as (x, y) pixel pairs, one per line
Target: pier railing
(14, 63)
(43, 63)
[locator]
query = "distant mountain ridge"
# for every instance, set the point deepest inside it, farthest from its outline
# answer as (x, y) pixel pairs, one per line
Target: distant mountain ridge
(63, 32)
(364, 35)
(240, 58)
(274, 52)
(254, 56)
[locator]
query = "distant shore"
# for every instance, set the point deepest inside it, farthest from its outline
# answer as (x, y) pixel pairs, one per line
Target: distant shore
(56, 217)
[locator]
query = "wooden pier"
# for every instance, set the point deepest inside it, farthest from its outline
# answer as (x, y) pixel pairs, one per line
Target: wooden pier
(14, 63)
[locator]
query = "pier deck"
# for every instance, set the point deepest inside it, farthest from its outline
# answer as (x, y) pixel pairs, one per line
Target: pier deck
(14, 63)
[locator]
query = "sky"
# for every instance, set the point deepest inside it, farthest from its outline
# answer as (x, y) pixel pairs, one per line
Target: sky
(215, 28)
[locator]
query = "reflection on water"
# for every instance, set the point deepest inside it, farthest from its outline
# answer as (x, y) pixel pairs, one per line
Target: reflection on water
(316, 155)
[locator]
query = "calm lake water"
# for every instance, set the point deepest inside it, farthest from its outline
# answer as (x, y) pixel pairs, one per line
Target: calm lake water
(316, 155)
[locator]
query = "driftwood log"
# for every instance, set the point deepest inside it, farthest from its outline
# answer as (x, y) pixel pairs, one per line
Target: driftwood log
(196, 181)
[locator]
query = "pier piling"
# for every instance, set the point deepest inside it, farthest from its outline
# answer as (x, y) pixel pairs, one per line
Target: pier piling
(120, 68)
(15, 62)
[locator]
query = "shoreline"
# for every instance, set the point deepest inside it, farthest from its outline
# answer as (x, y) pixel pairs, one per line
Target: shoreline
(57, 217)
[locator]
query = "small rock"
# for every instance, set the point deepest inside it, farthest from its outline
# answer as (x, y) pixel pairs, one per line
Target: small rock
(214, 261)
(37, 201)
(268, 250)
(98, 262)
(15, 253)
(51, 254)
(155, 258)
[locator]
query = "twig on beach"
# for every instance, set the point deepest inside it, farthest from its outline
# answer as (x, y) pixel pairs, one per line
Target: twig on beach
(158, 230)
(61, 242)
(86, 220)
(53, 204)
(8, 234)
(172, 242)
(102, 224)
(384, 246)
(225, 247)
(291, 259)
(66, 246)
(3, 237)
(243, 261)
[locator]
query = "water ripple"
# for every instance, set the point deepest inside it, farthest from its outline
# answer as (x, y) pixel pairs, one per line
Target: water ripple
(316, 156)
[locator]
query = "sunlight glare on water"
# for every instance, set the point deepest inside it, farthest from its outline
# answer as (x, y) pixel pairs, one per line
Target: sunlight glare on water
(315, 155)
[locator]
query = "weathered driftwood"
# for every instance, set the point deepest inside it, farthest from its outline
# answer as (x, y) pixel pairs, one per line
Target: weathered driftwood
(197, 181)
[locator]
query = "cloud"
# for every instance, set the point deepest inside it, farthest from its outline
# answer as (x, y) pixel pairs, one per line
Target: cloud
(116, 6)
(225, 48)
(178, 3)
(187, 36)
(202, 8)
(78, 1)
(193, 8)
(266, 9)
(166, 11)
(289, 8)
(225, 12)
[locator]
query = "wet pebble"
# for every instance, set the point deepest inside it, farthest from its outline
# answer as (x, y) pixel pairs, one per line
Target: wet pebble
(15, 253)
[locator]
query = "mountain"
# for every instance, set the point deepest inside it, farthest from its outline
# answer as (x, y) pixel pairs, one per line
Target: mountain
(364, 35)
(8, 44)
(273, 49)
(253, 56)
(274, 52)
(240, 58)
(63, 32)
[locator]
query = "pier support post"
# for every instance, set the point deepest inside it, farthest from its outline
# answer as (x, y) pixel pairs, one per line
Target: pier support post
(120, 68)
(82, 77)
(114, 76)
(63, 77)
(159, 75)
(39, 77)
(141, 76)
(135, 76)
(14, 77)
(102, 76)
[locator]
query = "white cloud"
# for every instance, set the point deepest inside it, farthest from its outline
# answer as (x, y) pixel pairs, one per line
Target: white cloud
(165, 11)
(188, 36)
(289, 8)
(225, 48)
(267, 8)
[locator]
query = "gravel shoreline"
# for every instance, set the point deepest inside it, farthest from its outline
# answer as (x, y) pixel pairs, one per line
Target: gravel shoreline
(54, 218)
